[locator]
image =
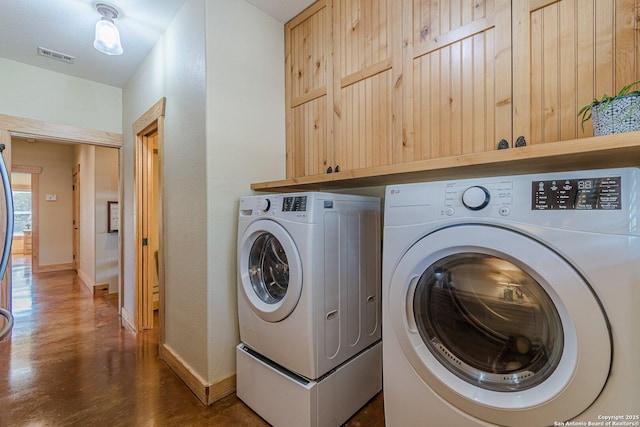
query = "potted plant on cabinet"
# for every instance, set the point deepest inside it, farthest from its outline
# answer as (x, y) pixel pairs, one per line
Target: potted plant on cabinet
(614, 114)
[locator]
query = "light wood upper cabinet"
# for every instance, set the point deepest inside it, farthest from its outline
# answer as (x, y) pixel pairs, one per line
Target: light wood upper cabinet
(309, 91)
(566, 53)
(458, 73)
(384, 82)
(368, 93)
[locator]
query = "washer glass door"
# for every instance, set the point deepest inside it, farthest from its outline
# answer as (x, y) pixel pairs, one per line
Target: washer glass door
(270, 270)
(488, 321)
(499, 325)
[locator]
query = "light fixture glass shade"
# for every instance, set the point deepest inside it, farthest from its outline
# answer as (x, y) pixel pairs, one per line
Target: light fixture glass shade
(107, 38)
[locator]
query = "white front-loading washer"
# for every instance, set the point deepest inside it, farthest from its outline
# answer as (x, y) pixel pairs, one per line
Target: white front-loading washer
(513, 301)
(309, 304)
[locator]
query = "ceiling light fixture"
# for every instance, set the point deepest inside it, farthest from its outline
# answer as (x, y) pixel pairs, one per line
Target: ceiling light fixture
(107, 35)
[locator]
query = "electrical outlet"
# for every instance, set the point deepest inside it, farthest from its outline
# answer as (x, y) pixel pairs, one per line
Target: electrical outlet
(51, 197)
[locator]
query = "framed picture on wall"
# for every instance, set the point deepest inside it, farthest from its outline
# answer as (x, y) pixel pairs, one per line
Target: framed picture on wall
(113, 216)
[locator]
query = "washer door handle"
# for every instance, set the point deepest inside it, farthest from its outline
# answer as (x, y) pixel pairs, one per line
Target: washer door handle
(411, 320)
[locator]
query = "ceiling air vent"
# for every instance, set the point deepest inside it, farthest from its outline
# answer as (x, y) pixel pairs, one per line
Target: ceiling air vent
(48, 53)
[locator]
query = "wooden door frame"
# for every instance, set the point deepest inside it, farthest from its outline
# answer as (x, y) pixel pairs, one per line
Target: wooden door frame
(151, 121)
(143, 177)
(35, 172)
(39, 130)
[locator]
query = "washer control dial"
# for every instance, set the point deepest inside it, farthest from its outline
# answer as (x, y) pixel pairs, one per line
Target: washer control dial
(475, 198)
(263, 205)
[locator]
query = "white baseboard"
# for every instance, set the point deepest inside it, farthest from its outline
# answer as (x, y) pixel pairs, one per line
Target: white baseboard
(86, 280)
(127, 319)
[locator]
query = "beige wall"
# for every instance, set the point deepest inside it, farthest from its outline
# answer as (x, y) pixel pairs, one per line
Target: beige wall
(55, 229)
(84, 155)
(174, 69)
(245, 144)
(106, 244)
(20, 180)
(98, 260)
(39, 94)
(219, 138)
(99, 183)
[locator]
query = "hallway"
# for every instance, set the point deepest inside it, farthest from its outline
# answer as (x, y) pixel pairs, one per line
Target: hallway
(69, 362)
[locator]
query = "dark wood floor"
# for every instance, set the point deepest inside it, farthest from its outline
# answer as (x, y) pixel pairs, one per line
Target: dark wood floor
(69, 362)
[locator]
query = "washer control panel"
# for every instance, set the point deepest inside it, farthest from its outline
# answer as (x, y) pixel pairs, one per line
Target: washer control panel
(594, 201)
(478, 197)
(603, 193)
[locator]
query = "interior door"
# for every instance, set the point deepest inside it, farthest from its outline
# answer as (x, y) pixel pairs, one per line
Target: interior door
(147, 225)
(500, 326)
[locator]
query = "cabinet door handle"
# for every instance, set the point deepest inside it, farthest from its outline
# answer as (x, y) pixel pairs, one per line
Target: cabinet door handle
(503, 144)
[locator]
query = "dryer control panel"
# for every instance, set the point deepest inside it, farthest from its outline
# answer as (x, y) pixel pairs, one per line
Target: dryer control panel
(294, 204)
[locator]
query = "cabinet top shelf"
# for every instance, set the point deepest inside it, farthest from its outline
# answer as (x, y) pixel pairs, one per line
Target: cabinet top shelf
(620, 150)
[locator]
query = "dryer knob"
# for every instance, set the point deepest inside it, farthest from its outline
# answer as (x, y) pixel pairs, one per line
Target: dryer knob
(263, 205)
(475, 198)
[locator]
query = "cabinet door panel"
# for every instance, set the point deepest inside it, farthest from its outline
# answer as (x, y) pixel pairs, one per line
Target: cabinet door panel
(367, 51)
(566, 52)
(366, 126)
(460, 78)
(365, 28)
(308, 55)
(309, 149)
(309, 93)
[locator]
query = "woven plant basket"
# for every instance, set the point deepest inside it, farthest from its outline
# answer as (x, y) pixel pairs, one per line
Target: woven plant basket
(618, 116)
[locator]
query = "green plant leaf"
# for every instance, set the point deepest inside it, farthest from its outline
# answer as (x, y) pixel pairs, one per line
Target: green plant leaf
(586, 111)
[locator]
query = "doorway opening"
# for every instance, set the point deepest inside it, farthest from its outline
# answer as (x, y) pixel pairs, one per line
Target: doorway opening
(50, 233)
(23, 212)
(149, 134)
(29, 130)
(25, 186)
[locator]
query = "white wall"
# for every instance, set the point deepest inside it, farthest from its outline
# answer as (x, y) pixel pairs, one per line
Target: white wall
(175, 69)
(218, 139)
(85, 157)
(55, 228)
(245, 144)
(40, 94)
(106, 189)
